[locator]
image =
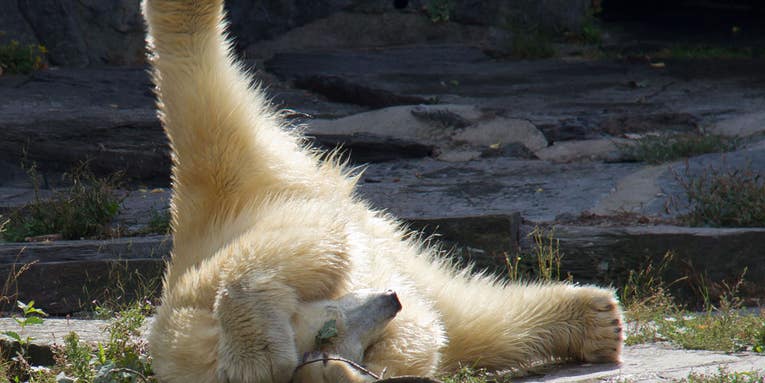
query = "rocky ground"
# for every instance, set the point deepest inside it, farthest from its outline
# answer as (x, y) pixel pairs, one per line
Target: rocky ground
(641, 363)
(455, 142)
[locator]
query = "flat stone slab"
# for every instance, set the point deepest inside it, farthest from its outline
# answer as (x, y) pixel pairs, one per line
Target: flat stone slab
(540, 191)
(640, 363)
(654, 363)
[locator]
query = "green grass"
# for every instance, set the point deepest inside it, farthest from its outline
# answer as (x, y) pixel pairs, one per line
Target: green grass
(17, 58)
(654, 315)
(725, 376)
(84, 209)
(474, 375)
(440, 11)
(541, 263)
(159, 222)
(670, 147)
(123, 358)
(724, 198)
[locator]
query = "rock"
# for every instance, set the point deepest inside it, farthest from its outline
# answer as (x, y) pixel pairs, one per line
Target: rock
(365, 148)
(568, 129)
(14, 26)
(52, 332)
(741, 126)
(442, 117)
(60, 117)
(606, 254)
(251, 21)
(90, 32)
(481, 241)
(540, 191)
(98, 32)
(66, 276)
(546, 15)
(512, 150)
(502, 131)
(591, 150)
(653, 362)
(632, 192)
(397, 121)
(460, 132)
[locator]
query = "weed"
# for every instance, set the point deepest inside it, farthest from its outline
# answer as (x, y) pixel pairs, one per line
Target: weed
(22, 59)
(656, 149)
(725, 376)
(724, 198)
(440, 11)
(646, 300)
(19, 365)
(531, 45)
(467, 375)
(31, 315)
(541, 263)
(122, 359)
(126, 286)
(590, 33)
(159, 222)
(547, 253)
(85, 209)
(653, 314)
(75, 358)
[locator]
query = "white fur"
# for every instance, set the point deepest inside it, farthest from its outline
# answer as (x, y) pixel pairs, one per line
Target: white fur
(262, 227)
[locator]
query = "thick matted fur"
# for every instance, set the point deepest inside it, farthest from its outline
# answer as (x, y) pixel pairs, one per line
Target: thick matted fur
(263, 229)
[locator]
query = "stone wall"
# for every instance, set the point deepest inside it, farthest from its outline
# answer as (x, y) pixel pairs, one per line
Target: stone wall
(110, 32)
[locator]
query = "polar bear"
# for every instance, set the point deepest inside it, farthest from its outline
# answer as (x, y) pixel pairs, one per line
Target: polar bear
(267, 233)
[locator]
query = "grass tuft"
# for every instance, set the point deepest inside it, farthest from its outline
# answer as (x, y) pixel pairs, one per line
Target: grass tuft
(653, 315)
(542, 263)
(440, 11)
(724, 198)
(656, 149)
(122, 359)
(159, 222)
(725, 376)
(83, 210)
(17, 58)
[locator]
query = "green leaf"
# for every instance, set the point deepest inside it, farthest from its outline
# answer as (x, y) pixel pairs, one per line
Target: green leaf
(327, 332)
(33, 320)
(101, 354)
(13, 335)
(33, 310)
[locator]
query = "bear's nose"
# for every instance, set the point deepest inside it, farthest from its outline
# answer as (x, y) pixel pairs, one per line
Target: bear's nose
(394, 299)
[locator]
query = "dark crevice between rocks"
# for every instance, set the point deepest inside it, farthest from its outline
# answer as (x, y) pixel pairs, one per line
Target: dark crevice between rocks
(366, 148)
(338, 89)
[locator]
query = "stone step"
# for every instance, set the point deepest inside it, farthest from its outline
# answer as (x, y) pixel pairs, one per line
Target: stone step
(66, 276)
